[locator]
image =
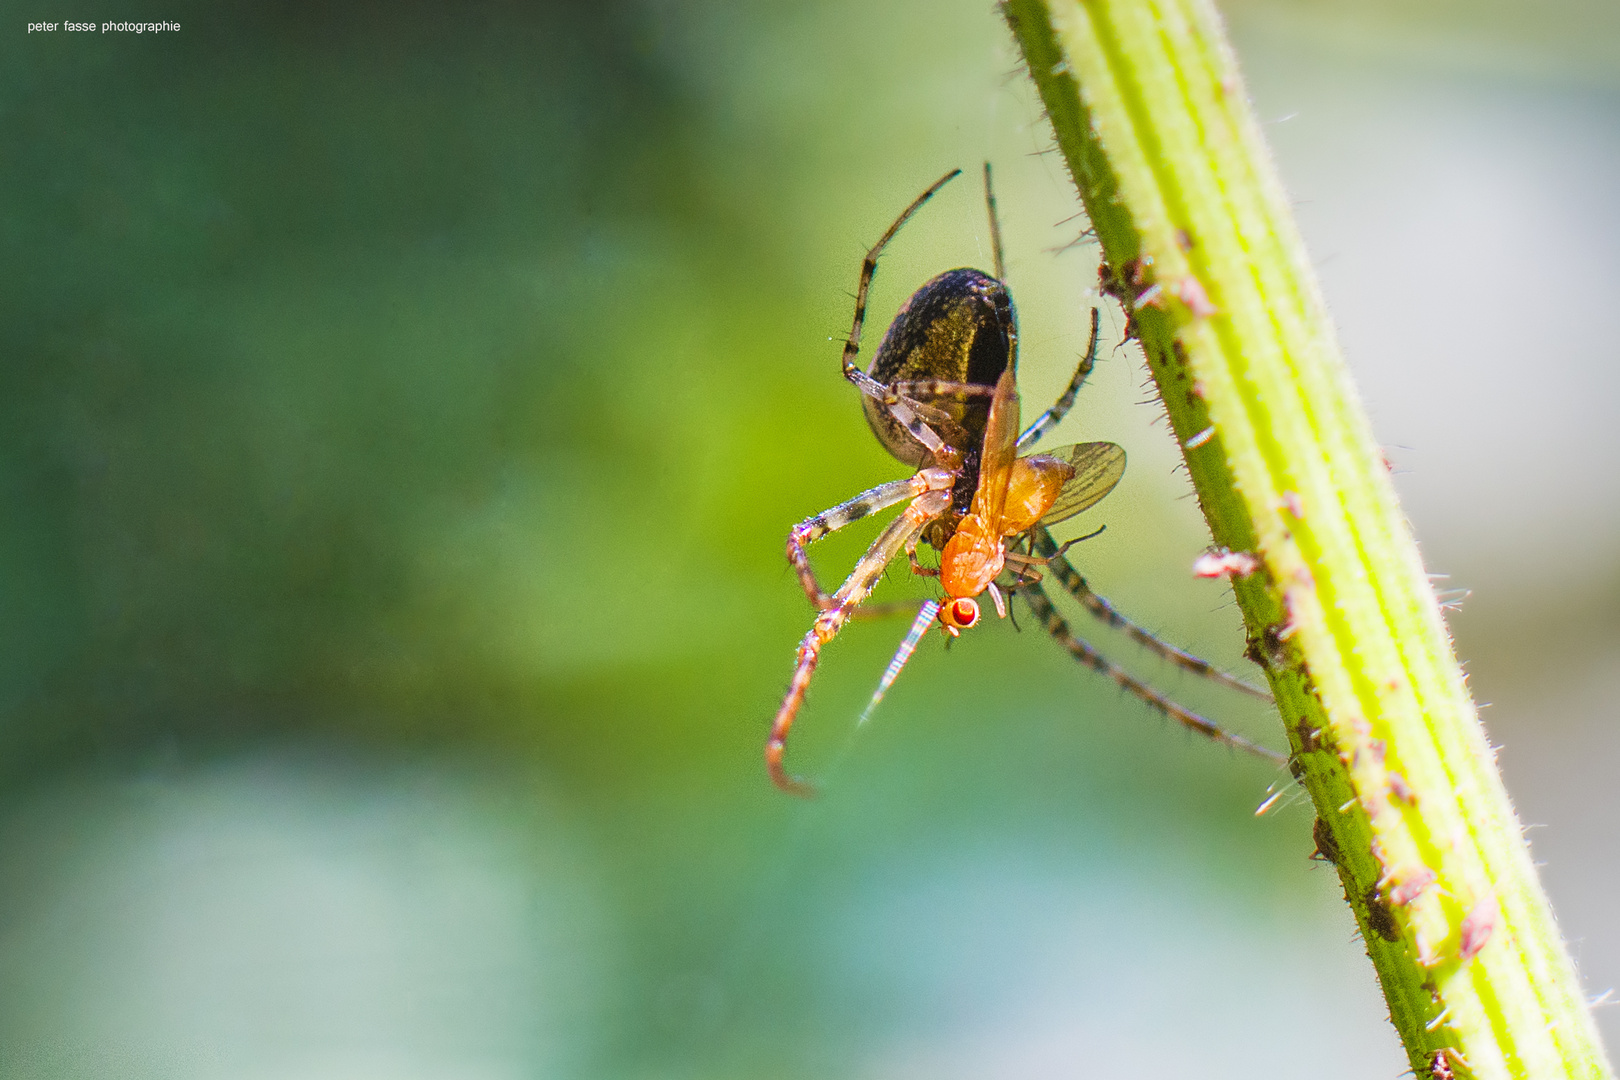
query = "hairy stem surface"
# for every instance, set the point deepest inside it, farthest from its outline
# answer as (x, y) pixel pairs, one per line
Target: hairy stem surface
(1150, 114)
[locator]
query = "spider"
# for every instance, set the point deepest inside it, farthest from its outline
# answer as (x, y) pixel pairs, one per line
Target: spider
(941, 396)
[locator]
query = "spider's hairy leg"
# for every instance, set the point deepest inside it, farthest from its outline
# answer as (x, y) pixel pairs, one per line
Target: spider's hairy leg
(852, 344)
(902, 399)
(1050, 418)
(910, 391)
(1104, 612)
(926, 614)
(906, 389)
(995, 226)
(856, 588)
(1038, 602)
(868, 502)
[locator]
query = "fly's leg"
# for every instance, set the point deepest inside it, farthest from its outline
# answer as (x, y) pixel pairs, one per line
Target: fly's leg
(1050, 418)
(869, 502)
(856, 588)
(1038, 603)
(1105, 612)
(917, 567)
(1025, 571)
(1026, 568)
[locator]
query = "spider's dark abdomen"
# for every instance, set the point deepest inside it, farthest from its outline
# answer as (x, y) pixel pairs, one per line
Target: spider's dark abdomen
(959, 327)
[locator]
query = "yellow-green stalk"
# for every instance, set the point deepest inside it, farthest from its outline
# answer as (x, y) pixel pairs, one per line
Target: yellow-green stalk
(1151, 116)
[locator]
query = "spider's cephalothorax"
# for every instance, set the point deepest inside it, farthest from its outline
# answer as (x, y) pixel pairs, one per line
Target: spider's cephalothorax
(942, 396)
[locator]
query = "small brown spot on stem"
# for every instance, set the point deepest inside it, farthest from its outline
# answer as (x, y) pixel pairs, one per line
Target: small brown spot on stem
(1310, 737)
(1379, 918)
(1327, 848)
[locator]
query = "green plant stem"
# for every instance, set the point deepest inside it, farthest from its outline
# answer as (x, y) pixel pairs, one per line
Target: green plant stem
(1151, 116)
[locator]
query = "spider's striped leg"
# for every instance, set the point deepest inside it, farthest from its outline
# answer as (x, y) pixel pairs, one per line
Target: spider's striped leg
(856, 588)
(852, 344)
(913, 414)
(868, 502)
(1049, 419)
(925, 621)
(995, 226)
(908, 389)
(1103, 611)
(904, 400)
(1038, 603)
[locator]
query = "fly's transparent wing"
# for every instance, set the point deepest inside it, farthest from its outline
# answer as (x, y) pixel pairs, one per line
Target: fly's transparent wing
(1097, 468)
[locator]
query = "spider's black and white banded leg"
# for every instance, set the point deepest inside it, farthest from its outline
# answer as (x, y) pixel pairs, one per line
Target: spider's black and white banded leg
(1104, 612)
(852, 344)
(866, 503)
(995, 227)
(902, 531)
(1050, 418)
(1038, 602)
(910, 390)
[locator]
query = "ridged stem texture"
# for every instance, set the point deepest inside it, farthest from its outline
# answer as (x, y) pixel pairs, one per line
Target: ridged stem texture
(1149, 112)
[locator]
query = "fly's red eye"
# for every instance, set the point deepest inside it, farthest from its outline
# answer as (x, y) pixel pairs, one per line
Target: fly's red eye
(960, 613)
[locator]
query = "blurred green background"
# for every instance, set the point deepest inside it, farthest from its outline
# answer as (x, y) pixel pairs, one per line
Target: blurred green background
(404, 406)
